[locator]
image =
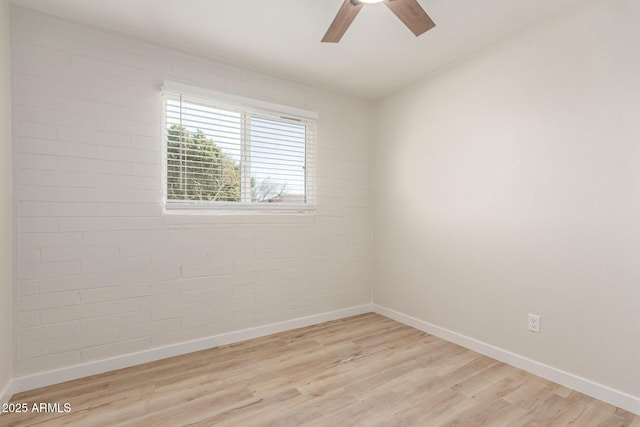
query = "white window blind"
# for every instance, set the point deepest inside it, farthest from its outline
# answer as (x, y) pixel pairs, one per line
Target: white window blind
(221, 155)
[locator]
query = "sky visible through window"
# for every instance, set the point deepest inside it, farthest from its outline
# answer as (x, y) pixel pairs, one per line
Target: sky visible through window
(278, 153)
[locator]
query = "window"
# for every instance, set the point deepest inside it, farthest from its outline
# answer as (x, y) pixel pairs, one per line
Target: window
(224, 152)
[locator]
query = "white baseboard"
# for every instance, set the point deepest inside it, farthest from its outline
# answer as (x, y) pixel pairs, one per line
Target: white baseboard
(6, 393)
(43, 379)
(574, 382)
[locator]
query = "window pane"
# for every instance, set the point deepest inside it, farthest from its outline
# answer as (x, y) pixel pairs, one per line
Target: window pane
(203, 152)
(277, 159)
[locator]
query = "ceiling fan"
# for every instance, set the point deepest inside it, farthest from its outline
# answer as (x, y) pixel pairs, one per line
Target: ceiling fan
(409, 11)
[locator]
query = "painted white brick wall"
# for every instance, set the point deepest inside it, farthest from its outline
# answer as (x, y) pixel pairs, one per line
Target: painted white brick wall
(102, 270)
(7, 310)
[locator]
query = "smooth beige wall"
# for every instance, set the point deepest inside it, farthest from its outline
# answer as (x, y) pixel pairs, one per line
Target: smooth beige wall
(510, 184)
(6, 207)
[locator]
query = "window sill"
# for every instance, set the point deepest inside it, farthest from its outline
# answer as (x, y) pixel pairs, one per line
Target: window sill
(237, 209)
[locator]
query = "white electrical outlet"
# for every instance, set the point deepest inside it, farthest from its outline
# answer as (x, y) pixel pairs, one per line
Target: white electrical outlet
(534, 323)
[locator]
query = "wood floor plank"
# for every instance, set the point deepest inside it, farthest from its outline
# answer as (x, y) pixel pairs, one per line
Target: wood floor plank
(366, 370)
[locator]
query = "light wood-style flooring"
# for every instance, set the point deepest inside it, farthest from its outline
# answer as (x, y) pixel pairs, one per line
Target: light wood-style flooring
(362, 371)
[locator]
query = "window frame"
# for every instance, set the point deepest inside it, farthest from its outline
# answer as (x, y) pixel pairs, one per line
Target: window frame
(253, 107)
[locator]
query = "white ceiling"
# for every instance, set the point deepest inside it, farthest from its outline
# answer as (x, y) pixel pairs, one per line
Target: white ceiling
(282, 37)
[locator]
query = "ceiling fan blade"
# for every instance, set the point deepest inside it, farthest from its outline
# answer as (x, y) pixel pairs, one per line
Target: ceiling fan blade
(341, 22)
(412, 14)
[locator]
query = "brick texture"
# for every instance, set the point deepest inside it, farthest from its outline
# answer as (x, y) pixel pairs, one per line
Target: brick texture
(103, 270)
